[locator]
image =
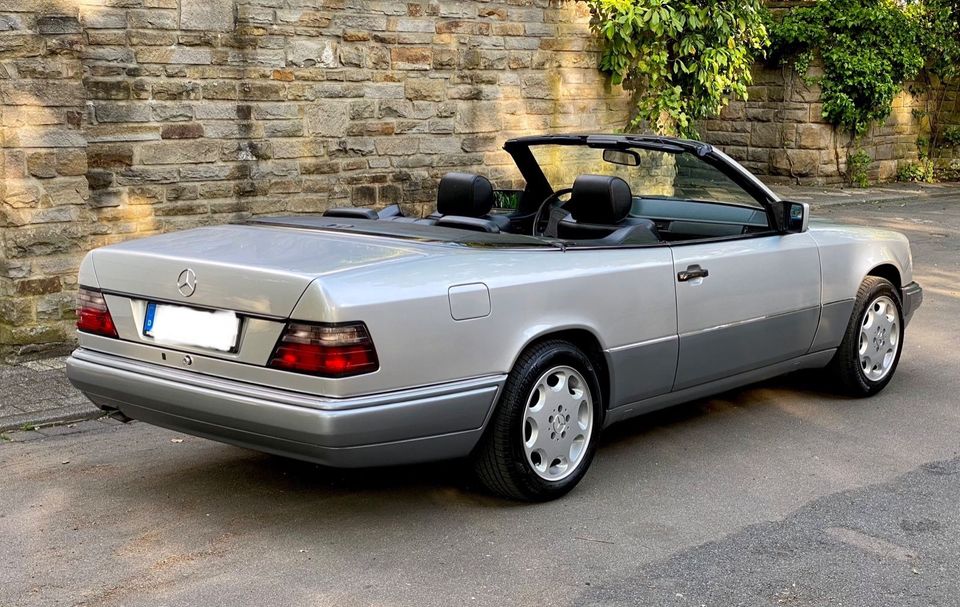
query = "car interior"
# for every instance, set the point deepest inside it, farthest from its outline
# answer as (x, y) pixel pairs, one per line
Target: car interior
(597, 210)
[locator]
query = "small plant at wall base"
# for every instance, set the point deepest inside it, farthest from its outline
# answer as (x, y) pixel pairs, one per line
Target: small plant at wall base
(857, 165)
(941, 166)
(920, 172)
(685, 60)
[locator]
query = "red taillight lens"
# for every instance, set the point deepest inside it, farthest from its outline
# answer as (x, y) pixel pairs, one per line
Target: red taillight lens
(333, 350)
(93, 315)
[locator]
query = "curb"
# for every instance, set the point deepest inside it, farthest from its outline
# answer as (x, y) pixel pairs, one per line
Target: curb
(825, 197)
(78, 413)
(892, 199)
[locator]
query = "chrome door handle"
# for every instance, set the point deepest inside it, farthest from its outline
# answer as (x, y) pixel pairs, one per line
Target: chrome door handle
(694, 271)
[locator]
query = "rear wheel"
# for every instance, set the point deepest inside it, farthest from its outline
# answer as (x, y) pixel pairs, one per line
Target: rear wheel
(541, 439)
(870, 351)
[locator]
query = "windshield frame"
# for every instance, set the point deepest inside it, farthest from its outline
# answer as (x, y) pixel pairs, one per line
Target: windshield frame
(538, 187)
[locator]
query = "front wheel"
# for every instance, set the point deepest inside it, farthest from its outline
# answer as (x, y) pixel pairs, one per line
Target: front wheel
(870, 351)
(541, 439)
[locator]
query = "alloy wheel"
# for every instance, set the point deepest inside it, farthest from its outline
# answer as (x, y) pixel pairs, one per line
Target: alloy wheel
(558, 423)
(879, 338)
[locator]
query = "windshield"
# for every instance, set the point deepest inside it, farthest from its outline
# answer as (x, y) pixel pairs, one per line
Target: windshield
(650, 173)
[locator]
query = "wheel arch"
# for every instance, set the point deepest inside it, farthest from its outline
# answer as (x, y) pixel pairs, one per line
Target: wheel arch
(889, 272)
(587, 342)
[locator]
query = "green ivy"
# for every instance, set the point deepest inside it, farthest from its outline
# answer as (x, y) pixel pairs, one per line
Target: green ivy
(951, 137)
(939, 23)
(868, 49)
(685, 59)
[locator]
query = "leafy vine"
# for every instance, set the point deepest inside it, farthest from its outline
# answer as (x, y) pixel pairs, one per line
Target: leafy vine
(868, 49)
(686, 59)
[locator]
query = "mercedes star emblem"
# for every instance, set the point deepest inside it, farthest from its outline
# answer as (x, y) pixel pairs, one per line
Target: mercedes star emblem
(187, 282)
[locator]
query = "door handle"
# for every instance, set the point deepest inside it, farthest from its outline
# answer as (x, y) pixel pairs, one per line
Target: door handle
(694, 271)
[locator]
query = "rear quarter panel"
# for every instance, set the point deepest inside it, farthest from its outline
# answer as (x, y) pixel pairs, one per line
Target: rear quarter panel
(622, 296)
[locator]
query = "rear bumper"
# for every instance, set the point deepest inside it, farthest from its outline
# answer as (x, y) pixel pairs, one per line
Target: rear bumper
(421, 424)
(912, 297)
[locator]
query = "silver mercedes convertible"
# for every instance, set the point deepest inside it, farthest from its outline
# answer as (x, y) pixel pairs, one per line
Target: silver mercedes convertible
(629, 273)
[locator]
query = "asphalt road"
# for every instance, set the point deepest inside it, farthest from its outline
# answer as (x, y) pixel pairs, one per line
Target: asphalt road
(778, 494)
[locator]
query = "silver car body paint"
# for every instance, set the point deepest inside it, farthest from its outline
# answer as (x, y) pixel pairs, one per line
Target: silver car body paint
(757, 288)
(448, 323)
(405, 302)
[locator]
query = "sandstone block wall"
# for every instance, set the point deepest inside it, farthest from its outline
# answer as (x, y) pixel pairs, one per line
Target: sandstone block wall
(45, 216)
(780, 131)
(124, 118)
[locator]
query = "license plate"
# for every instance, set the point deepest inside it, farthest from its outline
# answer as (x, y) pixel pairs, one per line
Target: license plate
(180, 326)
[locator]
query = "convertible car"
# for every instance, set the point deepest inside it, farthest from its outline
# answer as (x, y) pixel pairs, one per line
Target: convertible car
(629, 273)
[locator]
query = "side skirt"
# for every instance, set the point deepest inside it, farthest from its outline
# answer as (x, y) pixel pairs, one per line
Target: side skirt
(807, 361)
(716, 353)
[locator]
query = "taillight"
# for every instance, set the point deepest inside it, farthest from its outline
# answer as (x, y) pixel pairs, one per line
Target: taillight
(93, 315)
(329, 350)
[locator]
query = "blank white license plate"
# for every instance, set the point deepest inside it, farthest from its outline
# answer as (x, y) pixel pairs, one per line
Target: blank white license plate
(180, 326)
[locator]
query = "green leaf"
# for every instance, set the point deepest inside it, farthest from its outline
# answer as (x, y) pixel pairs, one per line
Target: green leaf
(686, 58)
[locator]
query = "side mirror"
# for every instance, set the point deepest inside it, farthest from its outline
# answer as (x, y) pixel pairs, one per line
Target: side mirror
(796, 216)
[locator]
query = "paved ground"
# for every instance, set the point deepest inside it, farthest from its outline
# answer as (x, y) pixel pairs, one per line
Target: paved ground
(38, 392)
(829, 196)
(778, 494)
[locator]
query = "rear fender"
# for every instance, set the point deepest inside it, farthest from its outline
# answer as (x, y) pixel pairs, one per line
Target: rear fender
(87, 276)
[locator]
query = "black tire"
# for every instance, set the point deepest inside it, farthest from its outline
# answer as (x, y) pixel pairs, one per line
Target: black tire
(845, 365)
(500, 461)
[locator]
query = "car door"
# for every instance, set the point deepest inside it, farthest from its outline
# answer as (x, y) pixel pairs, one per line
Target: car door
(744, 303)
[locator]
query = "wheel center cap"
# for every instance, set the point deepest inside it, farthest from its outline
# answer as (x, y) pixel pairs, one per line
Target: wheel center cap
(559, 423)
(880, 339)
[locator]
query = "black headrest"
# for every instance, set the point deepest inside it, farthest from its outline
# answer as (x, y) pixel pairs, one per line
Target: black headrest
(464, 194)
(600, 199)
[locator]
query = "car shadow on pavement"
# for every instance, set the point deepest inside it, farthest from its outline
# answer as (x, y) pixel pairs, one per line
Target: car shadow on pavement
(233, 479)
(807, 384)
(274, 486)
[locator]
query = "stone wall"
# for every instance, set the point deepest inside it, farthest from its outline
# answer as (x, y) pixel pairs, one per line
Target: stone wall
(124, 118)
(45, 215)
(780, 132)
(949, 156)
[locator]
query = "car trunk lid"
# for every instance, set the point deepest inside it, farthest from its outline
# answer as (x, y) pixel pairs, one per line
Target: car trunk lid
(252, 269)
